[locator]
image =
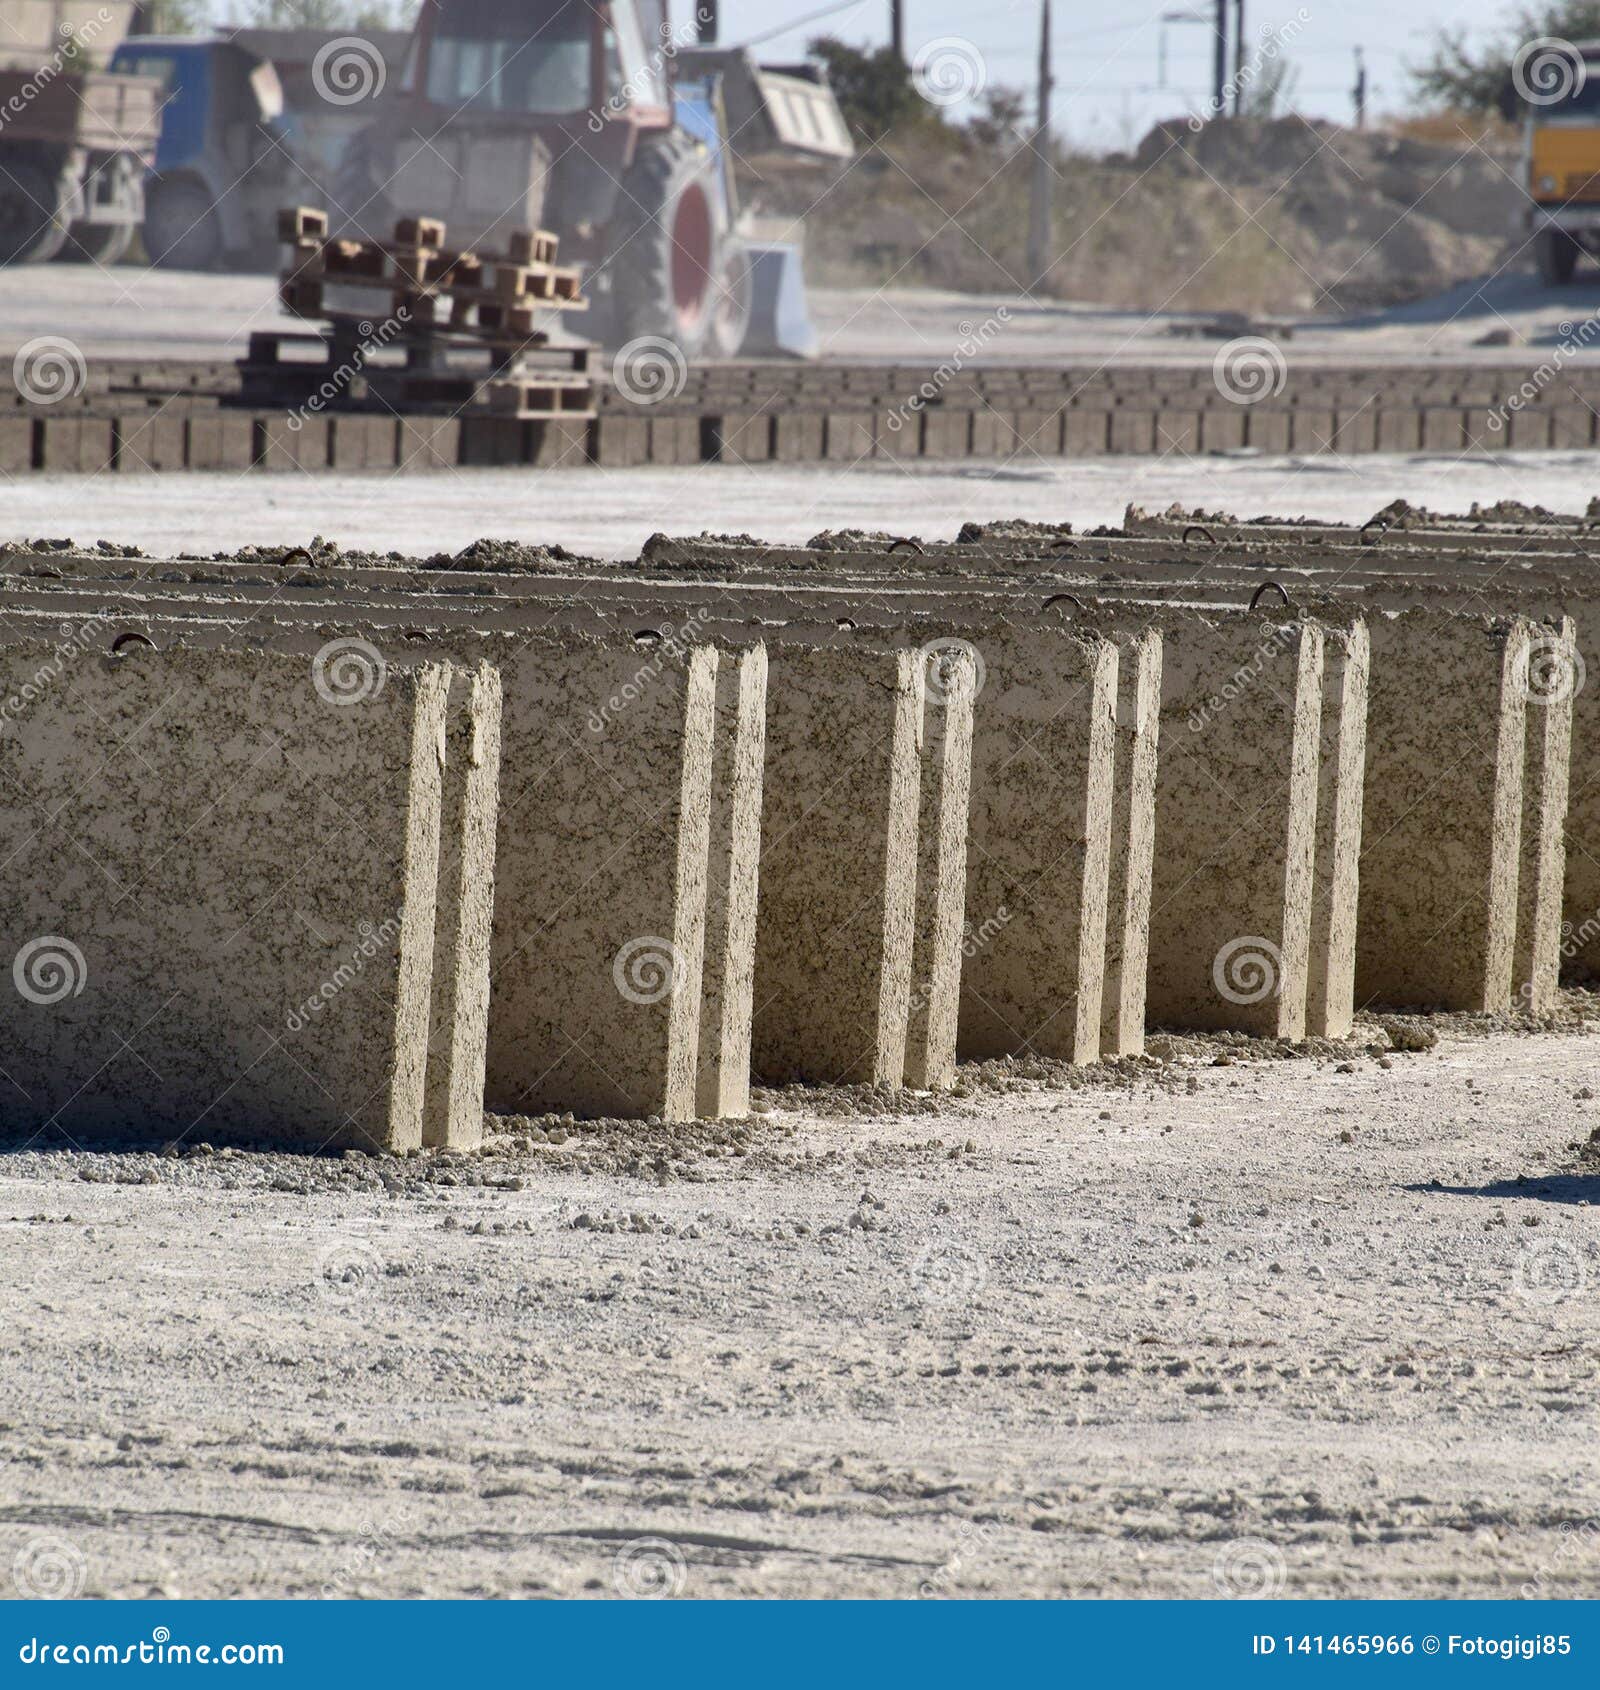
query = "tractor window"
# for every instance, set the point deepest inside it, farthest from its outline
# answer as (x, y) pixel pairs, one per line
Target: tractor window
(495, 57)
(635, 61)
(159, 65)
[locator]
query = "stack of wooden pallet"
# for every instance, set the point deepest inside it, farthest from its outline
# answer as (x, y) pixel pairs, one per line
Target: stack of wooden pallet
(408, 317)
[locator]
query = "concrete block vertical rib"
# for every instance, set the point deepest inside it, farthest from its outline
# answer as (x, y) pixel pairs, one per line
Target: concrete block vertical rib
(1331, 980)
(1550, 684)
(458, 1045)
(1044, 747)
(220, 895)
(1132, 846)
(950, 688)
(1441, 846)
(733, 884)
(1236, 810)
(602, 853)
(836, 916)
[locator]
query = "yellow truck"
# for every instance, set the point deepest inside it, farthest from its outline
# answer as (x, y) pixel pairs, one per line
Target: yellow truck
(1553, 91)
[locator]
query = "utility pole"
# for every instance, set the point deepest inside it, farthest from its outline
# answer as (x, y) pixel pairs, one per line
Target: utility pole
(897, 28)
(1219, 61)
(1238, 57)
(1040, 193)
(1358, 94)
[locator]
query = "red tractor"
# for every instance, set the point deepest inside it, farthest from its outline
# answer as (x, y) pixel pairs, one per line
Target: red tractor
(604, 123)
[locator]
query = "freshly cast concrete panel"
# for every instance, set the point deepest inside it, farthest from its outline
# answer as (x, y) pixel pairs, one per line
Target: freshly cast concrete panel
(1236, 803)
(1550, 682)
(1443, 812)
(837, 913)
(220, 895)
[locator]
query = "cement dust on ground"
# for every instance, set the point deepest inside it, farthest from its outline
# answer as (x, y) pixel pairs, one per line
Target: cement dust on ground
(1316, 1326)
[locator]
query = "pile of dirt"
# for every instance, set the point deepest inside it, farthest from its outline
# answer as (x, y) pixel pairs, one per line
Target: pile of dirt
(1284, 215)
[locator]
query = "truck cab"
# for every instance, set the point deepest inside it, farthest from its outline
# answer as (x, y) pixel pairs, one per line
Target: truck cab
(1555, 95)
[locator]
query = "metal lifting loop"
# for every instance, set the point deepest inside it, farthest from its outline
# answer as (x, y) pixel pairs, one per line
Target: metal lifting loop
(130, 638)
(1269, 587)
(1067, 598)
(1201, 529)
(911, 545)
(299, 551)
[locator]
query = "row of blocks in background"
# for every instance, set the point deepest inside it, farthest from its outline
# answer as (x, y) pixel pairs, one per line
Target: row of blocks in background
(327, 872)
(211, 438)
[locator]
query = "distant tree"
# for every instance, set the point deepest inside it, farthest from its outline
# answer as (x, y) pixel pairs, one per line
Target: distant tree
(172, 17)
(1460, 79)
(331, 14)
(1006, 119)
(874, 89)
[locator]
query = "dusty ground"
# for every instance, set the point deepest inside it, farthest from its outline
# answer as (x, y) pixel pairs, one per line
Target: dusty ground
(1273, 1324)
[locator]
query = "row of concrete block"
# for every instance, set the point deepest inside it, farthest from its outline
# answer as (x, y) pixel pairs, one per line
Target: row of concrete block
(840, 831)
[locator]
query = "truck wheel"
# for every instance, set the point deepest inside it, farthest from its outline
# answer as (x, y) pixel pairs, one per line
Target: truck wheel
(181, 228)
(33, 203)
(97, 243)
(664, 246)
(1558, 257)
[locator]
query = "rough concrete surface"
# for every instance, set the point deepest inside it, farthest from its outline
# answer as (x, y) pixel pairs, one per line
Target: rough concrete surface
(1123, 1338)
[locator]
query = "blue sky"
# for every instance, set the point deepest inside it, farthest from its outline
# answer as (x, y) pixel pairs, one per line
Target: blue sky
(1107, 55)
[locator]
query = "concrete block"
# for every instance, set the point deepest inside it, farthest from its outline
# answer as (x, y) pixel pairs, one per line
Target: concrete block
(1441, 841)
(839, 832)
(1311, 430)
(76, 445)
(1221, 430)
(1268, 430)
(1236, 800)
(618, 440)
(946, 434)
(1087, 433)
(1444, 429)
(16, 445)
(991, 433)
(603, 858)
(1133, 431)
(563, 443)
(850, 436)
(1399, 429)
(429, 443)
(1044, 748)
(221, 440)
(154, 441)
(798, 437)
(1178, 433)
(676, 440)
(221, 909)
(747, 437)
(1357, 428)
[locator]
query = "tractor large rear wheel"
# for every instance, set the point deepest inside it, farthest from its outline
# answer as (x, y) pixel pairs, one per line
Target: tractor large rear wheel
(664, 252)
